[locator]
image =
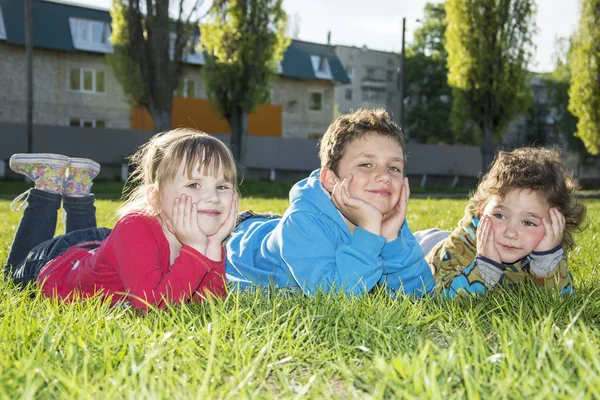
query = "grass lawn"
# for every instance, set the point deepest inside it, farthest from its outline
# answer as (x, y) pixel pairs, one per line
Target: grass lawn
(508, 344)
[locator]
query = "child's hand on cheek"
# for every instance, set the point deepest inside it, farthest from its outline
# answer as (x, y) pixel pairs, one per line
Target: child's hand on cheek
(357, 211)
(184, 224)
(555, 228)
(215, 242)
(486, 243)
(392, 221)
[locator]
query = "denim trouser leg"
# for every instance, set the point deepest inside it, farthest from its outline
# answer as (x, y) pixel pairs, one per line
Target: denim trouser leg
(80, 211)
(29, 270)
(37, 225)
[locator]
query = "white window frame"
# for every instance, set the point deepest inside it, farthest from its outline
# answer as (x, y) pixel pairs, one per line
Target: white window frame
(316, 91)
(350, 72)
(2, 26)
(81, 89)
(317, 63)
(78, 25)
(185, 84)
(82, 121)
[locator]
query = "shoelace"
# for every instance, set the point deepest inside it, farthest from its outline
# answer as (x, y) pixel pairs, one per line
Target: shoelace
(23, 196)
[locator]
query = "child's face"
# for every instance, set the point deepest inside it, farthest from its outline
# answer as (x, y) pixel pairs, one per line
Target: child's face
(376, 163)
(213, 195)
(517, 223)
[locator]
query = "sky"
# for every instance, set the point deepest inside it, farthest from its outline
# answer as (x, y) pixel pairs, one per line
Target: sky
(378, 23)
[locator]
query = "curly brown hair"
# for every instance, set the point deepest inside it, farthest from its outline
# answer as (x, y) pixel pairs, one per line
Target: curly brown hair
(536, 169)
(354, 125)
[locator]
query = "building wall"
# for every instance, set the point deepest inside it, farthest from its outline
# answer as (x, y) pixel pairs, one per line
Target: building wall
(54, 103)
(299, 122)
(374, 76)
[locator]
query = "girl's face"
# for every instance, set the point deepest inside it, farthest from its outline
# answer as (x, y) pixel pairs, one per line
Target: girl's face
(517, 223)
(213, 195)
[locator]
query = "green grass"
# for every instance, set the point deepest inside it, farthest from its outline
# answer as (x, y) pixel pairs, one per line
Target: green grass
(507, 344)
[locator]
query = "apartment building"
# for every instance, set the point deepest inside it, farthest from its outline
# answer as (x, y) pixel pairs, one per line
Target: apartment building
(75, 86)
(373, 78)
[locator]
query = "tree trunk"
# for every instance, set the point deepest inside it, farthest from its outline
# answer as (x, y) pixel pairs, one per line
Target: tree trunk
(238, 122)
(487, 145)
(29, 71)
(162, 120)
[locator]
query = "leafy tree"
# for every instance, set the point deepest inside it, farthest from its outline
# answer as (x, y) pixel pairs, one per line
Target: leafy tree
(427, 91)
(149, 49)
(489, 47)
(584, 62)
(244, 40)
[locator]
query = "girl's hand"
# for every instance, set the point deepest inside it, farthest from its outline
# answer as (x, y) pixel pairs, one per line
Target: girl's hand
(183, 224)
(215, 242)
(486, 243)
(555, 229)
(392, 221)
(357, 211)
(227, 225)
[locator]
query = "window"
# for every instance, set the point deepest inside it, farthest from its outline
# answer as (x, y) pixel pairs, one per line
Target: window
(2, 28)
(90, 35)
(315, 101)
(86, 80)
(321, 67)
(373, 94)
(87, 122)
(195, 54)
(187, 89)
(348, 94)
(350, 71)
(370, 73)
(390, 76)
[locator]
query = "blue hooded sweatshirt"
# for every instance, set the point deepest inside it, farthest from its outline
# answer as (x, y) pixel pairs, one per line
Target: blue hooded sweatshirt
(312, 248)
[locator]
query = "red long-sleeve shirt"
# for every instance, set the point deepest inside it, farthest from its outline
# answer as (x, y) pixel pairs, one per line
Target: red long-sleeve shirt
(133, 264)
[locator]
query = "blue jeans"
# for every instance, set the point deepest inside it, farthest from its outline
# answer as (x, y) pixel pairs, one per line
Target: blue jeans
(34, 244)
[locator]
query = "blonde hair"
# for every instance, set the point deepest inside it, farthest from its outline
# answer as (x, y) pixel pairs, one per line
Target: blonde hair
(158, 160)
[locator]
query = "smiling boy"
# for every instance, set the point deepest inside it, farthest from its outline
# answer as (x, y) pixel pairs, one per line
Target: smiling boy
(345, 228)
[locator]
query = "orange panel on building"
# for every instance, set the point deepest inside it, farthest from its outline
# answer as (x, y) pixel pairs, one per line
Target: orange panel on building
(199, 114)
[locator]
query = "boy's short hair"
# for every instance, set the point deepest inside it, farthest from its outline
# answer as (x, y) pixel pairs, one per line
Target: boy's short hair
(354, 125)
(536, 169)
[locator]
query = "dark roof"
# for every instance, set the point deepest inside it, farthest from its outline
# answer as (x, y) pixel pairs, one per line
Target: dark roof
(51, 31)
(296, 61)
(50, 22)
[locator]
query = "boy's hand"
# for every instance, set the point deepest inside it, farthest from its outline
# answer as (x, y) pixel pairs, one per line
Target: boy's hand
(486, 244)
(555, 229)
(357, 211)
(393, 220)
(183, 224)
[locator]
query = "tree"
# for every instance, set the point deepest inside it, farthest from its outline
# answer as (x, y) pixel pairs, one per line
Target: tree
(427, 92)
(584, 92)
(149, 49)
(244, 40)
(489, 47)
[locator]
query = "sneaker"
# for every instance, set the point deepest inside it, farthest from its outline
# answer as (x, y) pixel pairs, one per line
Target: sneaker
(47, 171)
(80, 174)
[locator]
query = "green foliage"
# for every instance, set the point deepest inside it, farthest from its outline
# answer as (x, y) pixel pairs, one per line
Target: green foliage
(489, 46)
(521, 343)
(125, 70)
(245, 41)
(145, 60)
(584, 62)
(430, 98)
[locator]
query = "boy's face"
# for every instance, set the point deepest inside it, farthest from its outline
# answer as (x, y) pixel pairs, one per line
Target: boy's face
(376, 163)
(517, 223)
(213, 195)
